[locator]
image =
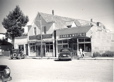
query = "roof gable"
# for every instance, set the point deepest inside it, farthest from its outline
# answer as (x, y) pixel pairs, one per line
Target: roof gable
(60, 22)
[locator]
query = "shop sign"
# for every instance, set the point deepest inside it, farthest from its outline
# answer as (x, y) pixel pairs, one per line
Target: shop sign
(38, 37)
(32, 37)
(73, 35)
(47, 36)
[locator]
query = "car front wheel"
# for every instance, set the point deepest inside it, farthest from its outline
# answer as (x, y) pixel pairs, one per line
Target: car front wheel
(23, 56)
(11, 57)
(3, 80)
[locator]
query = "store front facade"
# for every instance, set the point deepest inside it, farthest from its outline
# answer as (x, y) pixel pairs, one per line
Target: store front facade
(41, 47)
(50, 33)
(74, 41)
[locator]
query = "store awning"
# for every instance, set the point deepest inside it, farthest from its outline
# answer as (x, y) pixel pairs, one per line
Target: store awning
(76, 32)
(33, 41)
(48, 40)
(38, 41)
(73, 30)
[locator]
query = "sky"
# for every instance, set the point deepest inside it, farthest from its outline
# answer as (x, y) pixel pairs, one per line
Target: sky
(98, 10)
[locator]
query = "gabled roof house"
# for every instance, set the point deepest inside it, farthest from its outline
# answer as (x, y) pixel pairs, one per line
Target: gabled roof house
(49, 33)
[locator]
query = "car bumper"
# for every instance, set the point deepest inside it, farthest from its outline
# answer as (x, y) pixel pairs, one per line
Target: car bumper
(7, 79)
(65, 58)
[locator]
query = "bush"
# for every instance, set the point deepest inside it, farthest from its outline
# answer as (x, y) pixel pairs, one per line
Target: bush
(96, 54)
(106, 54)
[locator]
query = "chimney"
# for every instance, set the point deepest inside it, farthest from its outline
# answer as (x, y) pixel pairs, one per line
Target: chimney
(52, 12)
(91, 24)
(98, 23)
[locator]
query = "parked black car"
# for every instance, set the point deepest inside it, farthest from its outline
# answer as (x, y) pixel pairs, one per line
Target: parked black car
(16, 53)
(65, 54)
(5, 73)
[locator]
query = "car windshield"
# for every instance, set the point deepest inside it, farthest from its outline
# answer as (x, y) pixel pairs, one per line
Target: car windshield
(64, 55)
(65, 50)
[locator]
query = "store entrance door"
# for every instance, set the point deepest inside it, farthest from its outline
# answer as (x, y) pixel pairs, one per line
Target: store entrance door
(38, 51)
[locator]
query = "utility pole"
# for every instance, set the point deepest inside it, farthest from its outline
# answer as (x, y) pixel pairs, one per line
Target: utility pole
(41, 36)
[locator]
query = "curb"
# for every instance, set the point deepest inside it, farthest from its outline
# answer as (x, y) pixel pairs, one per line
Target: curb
(97, 58)
(43, 58)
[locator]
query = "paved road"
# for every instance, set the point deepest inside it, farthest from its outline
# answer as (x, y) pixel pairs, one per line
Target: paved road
(48, 70)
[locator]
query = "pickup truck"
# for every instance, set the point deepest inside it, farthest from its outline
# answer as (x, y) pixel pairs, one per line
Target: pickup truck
(16, 53)
(5, 73)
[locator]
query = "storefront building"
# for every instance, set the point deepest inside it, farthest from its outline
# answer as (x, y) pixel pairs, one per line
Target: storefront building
(21, 43)
(49, 33)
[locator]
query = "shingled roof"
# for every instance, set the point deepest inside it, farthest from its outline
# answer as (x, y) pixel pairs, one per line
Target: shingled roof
(60, 22)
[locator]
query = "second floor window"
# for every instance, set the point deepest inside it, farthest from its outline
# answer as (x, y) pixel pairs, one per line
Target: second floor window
(35, 30)
(44, 29)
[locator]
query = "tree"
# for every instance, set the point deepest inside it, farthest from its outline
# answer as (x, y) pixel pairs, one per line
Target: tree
(14, 22)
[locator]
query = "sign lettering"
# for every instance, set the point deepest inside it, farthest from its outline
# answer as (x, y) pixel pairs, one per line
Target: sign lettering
(73, 35)
(38, 37)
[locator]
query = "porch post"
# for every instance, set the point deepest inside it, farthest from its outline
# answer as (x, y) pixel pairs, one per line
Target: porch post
(24, 48)
(91, 47)
(77, 46)
(45, 50)
(28, 49)
(56, 43)
(53, 47)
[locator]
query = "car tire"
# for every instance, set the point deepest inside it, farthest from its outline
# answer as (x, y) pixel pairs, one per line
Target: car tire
(23, 56)
(11, 57)
(14, 55)
(18, 56)
(2, 78)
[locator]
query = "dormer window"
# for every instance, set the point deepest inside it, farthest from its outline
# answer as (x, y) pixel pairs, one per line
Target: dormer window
(69, 26)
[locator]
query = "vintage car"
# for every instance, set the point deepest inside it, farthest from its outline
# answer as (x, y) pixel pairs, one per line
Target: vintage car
(16, 53)
(65, 54)
(5, 73)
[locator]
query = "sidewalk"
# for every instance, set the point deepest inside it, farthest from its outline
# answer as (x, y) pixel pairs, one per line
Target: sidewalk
(85, 58)
(34, 57)
(97, 58)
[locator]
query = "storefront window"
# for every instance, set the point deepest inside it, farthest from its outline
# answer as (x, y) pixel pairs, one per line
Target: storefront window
(74, 47)
(59, 41)
(65, 41)
(32, 47)
(21, 47)
(87, 39)
(62, 44)
(49, 47)
(81, 40)
(88, 47)
(81, 46)
(65, 46)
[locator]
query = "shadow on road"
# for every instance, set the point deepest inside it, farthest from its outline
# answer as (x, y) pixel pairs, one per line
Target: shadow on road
(62, 60)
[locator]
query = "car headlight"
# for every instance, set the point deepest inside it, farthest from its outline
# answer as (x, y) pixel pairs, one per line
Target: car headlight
(7, 70)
